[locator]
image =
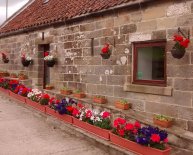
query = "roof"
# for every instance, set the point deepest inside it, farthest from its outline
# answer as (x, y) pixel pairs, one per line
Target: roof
(38, 13)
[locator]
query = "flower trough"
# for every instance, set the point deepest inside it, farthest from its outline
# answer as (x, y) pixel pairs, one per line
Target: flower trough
(65, 118)
(18, 97)
(91, 128)
(36, 105)
(129, 145)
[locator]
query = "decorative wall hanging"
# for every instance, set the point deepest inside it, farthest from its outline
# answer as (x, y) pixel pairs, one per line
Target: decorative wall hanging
(49, 59)
(26, 60)
(181, 43)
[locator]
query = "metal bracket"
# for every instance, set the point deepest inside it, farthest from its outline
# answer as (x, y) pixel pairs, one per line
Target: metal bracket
(180, 31)
(113, 44)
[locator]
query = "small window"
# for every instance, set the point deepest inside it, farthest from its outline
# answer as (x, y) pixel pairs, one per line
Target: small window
(149, 63)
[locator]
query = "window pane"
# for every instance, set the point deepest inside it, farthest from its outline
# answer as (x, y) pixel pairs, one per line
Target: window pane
(150, 63)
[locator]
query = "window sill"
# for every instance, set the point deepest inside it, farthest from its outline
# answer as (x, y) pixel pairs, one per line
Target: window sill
(156, 90)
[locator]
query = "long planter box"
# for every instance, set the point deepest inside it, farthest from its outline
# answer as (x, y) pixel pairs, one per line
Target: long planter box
(129, 145)
(18, 97)
(65, 118)
(92, 129)
(5, 91)
(36, 105)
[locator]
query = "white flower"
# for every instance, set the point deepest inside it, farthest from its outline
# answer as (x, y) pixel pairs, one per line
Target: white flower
(49, 58)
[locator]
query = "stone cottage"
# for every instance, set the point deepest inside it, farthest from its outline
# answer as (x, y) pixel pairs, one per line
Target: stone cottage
(141, 68)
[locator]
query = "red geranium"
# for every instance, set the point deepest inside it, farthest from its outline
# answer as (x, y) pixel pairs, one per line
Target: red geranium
(129, 127)
(105, 114)
(46, 96)
(155, 138)
(105, 49)
(181, 42)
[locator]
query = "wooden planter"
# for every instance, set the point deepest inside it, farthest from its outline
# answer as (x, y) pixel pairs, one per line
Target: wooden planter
(99, 100)
(5, 91)
(79, 95)
(66, 92)
(36, 105)
(18, 97)
(162, 123)
(122, 106)
(129, 145)
(50, 87)
(65, 118)
(103, 133)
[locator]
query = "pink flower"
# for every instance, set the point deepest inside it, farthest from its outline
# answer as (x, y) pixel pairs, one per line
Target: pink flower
(155, 138)
(75, 112)
(166, 140)
(88, 114)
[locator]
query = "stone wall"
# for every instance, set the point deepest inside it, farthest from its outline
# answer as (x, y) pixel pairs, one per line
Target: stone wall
(77, 68)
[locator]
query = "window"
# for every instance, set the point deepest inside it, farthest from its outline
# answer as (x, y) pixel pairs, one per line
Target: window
(149, 63)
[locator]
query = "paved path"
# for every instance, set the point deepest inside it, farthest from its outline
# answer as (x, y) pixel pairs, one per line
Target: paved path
(21, 133)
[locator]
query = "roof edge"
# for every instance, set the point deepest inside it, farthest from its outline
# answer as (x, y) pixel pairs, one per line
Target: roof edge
(26, 30)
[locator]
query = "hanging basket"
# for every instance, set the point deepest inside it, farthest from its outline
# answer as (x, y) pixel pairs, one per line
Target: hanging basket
(5, 61)
(178, 53)
(25, 63)
(105, 55)
(50, 63)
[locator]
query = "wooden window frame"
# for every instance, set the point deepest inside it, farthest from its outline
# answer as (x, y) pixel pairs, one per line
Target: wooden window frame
(137, 45)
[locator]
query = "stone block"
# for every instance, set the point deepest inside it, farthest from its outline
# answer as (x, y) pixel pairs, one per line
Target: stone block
(105, 89)
(179, 98)
(154, 11)
(68, 45)
(87, 27)
(172, 32)
(68, 77)
(122, 70)
(95, 79)
(164, 109)
(173, 61)
(101, 24)
(67, 61)
(147, 26)
(95, 34)
(136, 17)
(179, 71)
(183, 84)
(86, 69)
(161, 34)
(101, 70)
(185, 113)
(91, 88)
(87, 60)
(108, 32)
(131, 28)
(71, 69)
(178, 9)
(165, 23)
(76, 77)
(109, 22)
(121, 20)
(115, 80)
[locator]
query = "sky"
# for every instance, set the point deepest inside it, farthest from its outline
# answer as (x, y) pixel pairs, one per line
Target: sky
(13, 6)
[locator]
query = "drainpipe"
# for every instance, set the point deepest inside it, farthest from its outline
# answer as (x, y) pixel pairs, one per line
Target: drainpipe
(6, 9)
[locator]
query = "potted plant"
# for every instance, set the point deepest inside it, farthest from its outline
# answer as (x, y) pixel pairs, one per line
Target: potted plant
(65, 91)
(5, 58)
(144, 140)
(180, 46)
(13, 75)
(26, 60)
(163, 121)
(99, 99)
(106, 52)
(49, 87)
(22, 76)
(44, 99)
(79, 94)
(122, 104)
(50, 59)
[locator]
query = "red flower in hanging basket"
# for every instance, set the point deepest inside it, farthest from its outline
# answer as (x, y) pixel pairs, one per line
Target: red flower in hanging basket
(181, 44)
(106, 52)
(105, 49)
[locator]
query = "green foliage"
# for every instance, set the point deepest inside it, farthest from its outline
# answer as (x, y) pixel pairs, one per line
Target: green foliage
(162, 117)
